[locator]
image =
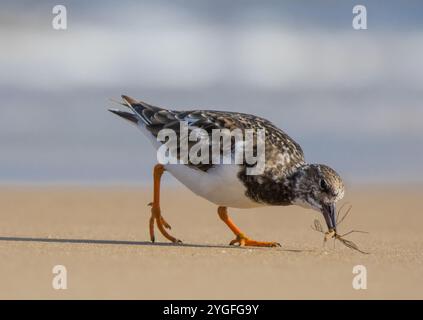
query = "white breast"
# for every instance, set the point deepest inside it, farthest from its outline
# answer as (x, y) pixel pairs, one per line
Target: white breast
(219, 184)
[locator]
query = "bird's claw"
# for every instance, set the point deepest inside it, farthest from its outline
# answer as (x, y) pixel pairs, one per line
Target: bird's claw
(161, 223)
(164, 222)
(242, 241)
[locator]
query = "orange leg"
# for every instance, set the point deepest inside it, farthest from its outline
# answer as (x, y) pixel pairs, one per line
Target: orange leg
(241, 238)
(155, 208)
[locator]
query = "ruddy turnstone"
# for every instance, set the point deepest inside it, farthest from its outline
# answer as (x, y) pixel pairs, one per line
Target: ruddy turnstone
(286, 180)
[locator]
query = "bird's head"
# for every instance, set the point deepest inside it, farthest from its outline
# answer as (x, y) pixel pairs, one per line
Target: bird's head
(318, 187)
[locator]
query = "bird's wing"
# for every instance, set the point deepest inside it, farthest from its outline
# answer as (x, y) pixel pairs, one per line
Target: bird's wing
(280, 150)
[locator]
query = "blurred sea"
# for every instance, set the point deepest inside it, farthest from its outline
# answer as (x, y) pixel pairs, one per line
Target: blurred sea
(352, 99)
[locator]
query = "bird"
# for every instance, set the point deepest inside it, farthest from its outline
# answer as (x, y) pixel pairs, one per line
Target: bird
(286, 179)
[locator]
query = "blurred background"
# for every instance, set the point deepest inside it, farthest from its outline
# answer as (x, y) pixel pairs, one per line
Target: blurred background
(352, 99)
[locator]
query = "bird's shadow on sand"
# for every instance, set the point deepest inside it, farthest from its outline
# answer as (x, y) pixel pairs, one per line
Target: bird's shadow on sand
(139, 243)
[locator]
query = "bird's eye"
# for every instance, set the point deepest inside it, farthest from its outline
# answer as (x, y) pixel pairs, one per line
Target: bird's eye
(324, 185)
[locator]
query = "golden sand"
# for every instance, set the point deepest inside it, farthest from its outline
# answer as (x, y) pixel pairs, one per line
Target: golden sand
(101, 236)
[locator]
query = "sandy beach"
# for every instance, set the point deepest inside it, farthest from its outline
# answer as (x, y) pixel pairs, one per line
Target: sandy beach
(101, 236)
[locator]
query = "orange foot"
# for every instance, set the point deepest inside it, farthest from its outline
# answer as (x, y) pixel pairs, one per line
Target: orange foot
(155, 208)
(161, 224)
(242, 240)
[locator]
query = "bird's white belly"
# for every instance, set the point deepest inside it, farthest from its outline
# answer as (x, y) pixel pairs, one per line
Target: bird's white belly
(219, 184)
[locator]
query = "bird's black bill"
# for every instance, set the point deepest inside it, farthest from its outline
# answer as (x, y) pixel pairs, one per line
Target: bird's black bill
(330, 216)
(126, 115)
